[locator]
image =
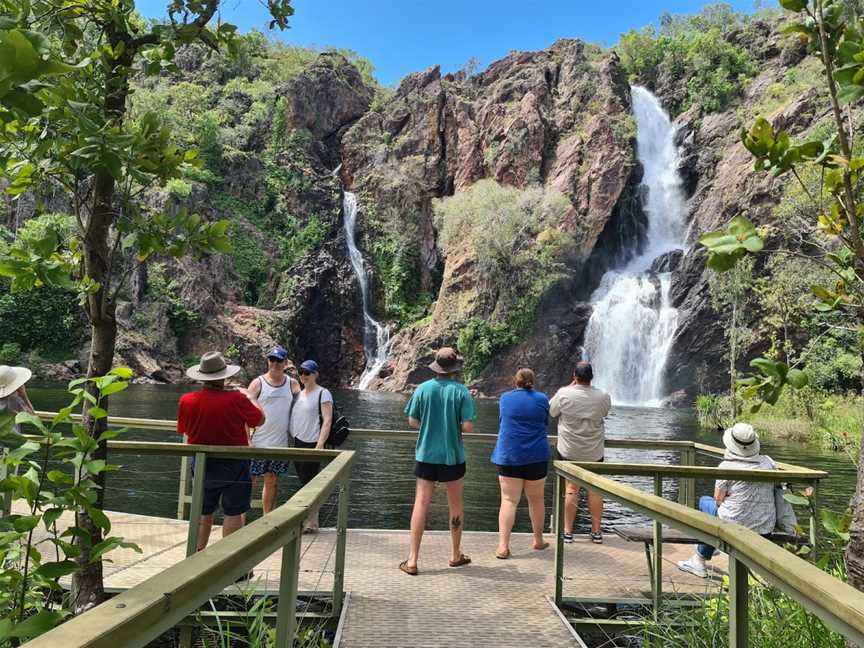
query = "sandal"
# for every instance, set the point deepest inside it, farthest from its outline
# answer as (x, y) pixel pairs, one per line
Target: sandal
(462, 560)
(499, 556)
(411, 571)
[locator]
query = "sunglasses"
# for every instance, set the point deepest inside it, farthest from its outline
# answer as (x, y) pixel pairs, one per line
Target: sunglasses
(305, 372)
(275, 360)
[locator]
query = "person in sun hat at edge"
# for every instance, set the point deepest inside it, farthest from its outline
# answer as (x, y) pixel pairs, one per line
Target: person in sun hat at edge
(750, 504)
(13, 396)
(442, 409)
(218, 414)
(275, 392)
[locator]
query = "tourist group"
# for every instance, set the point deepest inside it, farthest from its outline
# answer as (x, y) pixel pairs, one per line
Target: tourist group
(280, 410)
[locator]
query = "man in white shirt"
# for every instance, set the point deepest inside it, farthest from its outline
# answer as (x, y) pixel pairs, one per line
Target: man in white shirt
(580, 409)
(275, 392)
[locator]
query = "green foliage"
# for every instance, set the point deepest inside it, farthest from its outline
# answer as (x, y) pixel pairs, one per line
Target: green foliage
(181, 318)
(691, 49)
(51, 474)
(208, 135)
(178, 189)
(250, 262)
(775, 620)
(480, 340)
(10, 353)
(712, 411)
(43, 318)
(397, 263)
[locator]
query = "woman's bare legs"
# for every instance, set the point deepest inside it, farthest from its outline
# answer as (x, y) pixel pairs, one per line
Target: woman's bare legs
(511, 493)
(534, 491)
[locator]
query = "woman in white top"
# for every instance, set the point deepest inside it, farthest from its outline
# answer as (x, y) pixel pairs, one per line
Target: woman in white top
(750, 504)
(311, 419)
(275, 392)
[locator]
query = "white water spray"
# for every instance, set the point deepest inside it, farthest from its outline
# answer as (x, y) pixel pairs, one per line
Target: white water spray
(376, 338)
(631, 328)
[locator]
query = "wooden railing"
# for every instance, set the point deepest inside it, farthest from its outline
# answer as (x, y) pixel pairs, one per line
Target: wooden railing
(143, 613)
(838, 605)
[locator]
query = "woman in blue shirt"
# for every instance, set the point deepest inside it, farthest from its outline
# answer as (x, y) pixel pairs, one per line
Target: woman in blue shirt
(522, 457)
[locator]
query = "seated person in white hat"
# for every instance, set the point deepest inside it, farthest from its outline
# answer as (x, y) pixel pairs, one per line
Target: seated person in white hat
(13, 396)
(219, 415)
(750, 504)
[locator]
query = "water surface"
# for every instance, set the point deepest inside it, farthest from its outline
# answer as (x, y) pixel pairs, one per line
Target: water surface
(382, 482)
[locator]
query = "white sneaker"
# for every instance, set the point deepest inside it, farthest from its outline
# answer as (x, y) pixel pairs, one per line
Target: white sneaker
(695, 565)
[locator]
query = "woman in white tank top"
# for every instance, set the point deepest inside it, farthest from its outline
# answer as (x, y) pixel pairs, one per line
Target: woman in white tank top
(275, 392)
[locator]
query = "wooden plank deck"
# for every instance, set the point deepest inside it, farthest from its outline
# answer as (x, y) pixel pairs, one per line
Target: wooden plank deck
(490, 602)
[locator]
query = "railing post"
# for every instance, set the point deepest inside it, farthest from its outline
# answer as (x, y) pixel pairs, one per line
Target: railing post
(559, 538)
(687, 485)
(286, 615)
(341, 542)
(814, 519)
(738, 612)
(197, 502)
(183, 489)
(657, 585)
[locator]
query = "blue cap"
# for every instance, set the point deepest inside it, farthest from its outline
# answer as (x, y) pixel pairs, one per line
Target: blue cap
(309, 365)
(278, 353)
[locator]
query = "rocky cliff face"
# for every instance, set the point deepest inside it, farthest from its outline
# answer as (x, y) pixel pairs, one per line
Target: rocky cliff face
(558, 117)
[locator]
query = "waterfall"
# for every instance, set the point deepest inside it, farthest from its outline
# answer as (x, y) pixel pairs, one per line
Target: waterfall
(376, 338)
(630, 331)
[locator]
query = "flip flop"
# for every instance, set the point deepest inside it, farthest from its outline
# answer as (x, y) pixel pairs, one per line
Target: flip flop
(411, 571)
(462, 560)
(543, 546)
(499, 556)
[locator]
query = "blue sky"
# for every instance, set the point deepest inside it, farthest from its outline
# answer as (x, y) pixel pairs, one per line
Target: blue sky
(402, 36)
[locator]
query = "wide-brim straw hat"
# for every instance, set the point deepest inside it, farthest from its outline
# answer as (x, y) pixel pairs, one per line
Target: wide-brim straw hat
(212, 367)
(11, 378)
(741, 440)
(446, 361)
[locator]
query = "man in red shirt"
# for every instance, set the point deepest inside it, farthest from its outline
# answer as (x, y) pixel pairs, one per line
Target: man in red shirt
(219, 415)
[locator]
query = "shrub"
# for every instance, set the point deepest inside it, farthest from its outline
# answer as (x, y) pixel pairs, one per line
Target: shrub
(10, 353)
(181, 317)
(42, 318)
(178, 189)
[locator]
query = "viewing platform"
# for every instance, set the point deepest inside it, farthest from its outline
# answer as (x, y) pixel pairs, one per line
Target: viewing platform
(492, 602)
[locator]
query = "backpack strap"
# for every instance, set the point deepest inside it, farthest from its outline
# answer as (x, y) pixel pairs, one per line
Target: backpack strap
(320, 414)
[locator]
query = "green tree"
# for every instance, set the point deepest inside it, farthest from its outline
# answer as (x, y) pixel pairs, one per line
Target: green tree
(835, 34)
(65, 71)
(732, 292)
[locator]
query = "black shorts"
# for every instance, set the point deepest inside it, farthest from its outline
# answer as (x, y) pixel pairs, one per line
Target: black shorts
(439, 472)
(306, 470)
(227, 480)
(530, 472)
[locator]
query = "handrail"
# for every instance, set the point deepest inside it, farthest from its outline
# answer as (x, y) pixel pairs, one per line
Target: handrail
(794, 473)
(839, 605)
(141, 614)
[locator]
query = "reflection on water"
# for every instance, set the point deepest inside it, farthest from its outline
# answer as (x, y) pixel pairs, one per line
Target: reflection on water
(382, 483)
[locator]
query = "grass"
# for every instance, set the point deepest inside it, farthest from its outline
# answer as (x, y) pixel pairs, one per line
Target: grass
(829, 420)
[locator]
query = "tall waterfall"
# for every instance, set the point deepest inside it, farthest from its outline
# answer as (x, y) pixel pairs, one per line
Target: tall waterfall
(633, 322)
(376, 338)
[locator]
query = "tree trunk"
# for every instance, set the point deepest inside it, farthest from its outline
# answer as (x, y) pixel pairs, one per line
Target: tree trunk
(87, 586)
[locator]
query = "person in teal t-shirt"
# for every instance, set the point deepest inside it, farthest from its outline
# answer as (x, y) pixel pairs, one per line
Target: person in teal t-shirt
(442, 409)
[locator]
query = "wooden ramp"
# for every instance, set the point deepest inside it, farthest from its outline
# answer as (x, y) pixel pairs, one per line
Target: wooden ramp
(490, 602)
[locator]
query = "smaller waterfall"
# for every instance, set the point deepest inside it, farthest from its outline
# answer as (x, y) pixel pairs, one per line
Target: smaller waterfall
(376, 338)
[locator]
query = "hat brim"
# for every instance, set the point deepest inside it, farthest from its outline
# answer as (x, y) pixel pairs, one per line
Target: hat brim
(456, 367)
(736, 448)
(196, 374)
(20, 375)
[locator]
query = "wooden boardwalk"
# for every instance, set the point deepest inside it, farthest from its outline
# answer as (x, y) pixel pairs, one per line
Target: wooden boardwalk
(490, 602)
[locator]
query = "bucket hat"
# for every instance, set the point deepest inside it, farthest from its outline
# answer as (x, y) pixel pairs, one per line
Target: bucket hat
(741, 440)
(212, 367)
(11, 378)
(446, 361)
